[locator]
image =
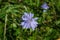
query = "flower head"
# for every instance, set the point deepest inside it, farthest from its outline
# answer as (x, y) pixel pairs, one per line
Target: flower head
(29, 21)
(45, 6)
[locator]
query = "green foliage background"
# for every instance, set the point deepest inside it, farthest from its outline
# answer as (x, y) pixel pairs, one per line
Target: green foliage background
(11, 12)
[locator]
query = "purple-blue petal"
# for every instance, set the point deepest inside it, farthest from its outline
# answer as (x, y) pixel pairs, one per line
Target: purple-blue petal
(45, 6)
(24, 17)
(29, 21)
(35, 18)
(31, 15)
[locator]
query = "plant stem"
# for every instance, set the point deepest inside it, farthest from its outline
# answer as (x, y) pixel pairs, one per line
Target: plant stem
(5, 27)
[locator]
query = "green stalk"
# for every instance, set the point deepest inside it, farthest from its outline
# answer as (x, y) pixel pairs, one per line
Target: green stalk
(5, 27)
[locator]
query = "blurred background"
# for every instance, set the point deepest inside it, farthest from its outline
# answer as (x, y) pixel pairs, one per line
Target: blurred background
(11, 12)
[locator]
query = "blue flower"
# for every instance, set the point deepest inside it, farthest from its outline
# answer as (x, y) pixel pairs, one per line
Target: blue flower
(45, 6)
(29, 21)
